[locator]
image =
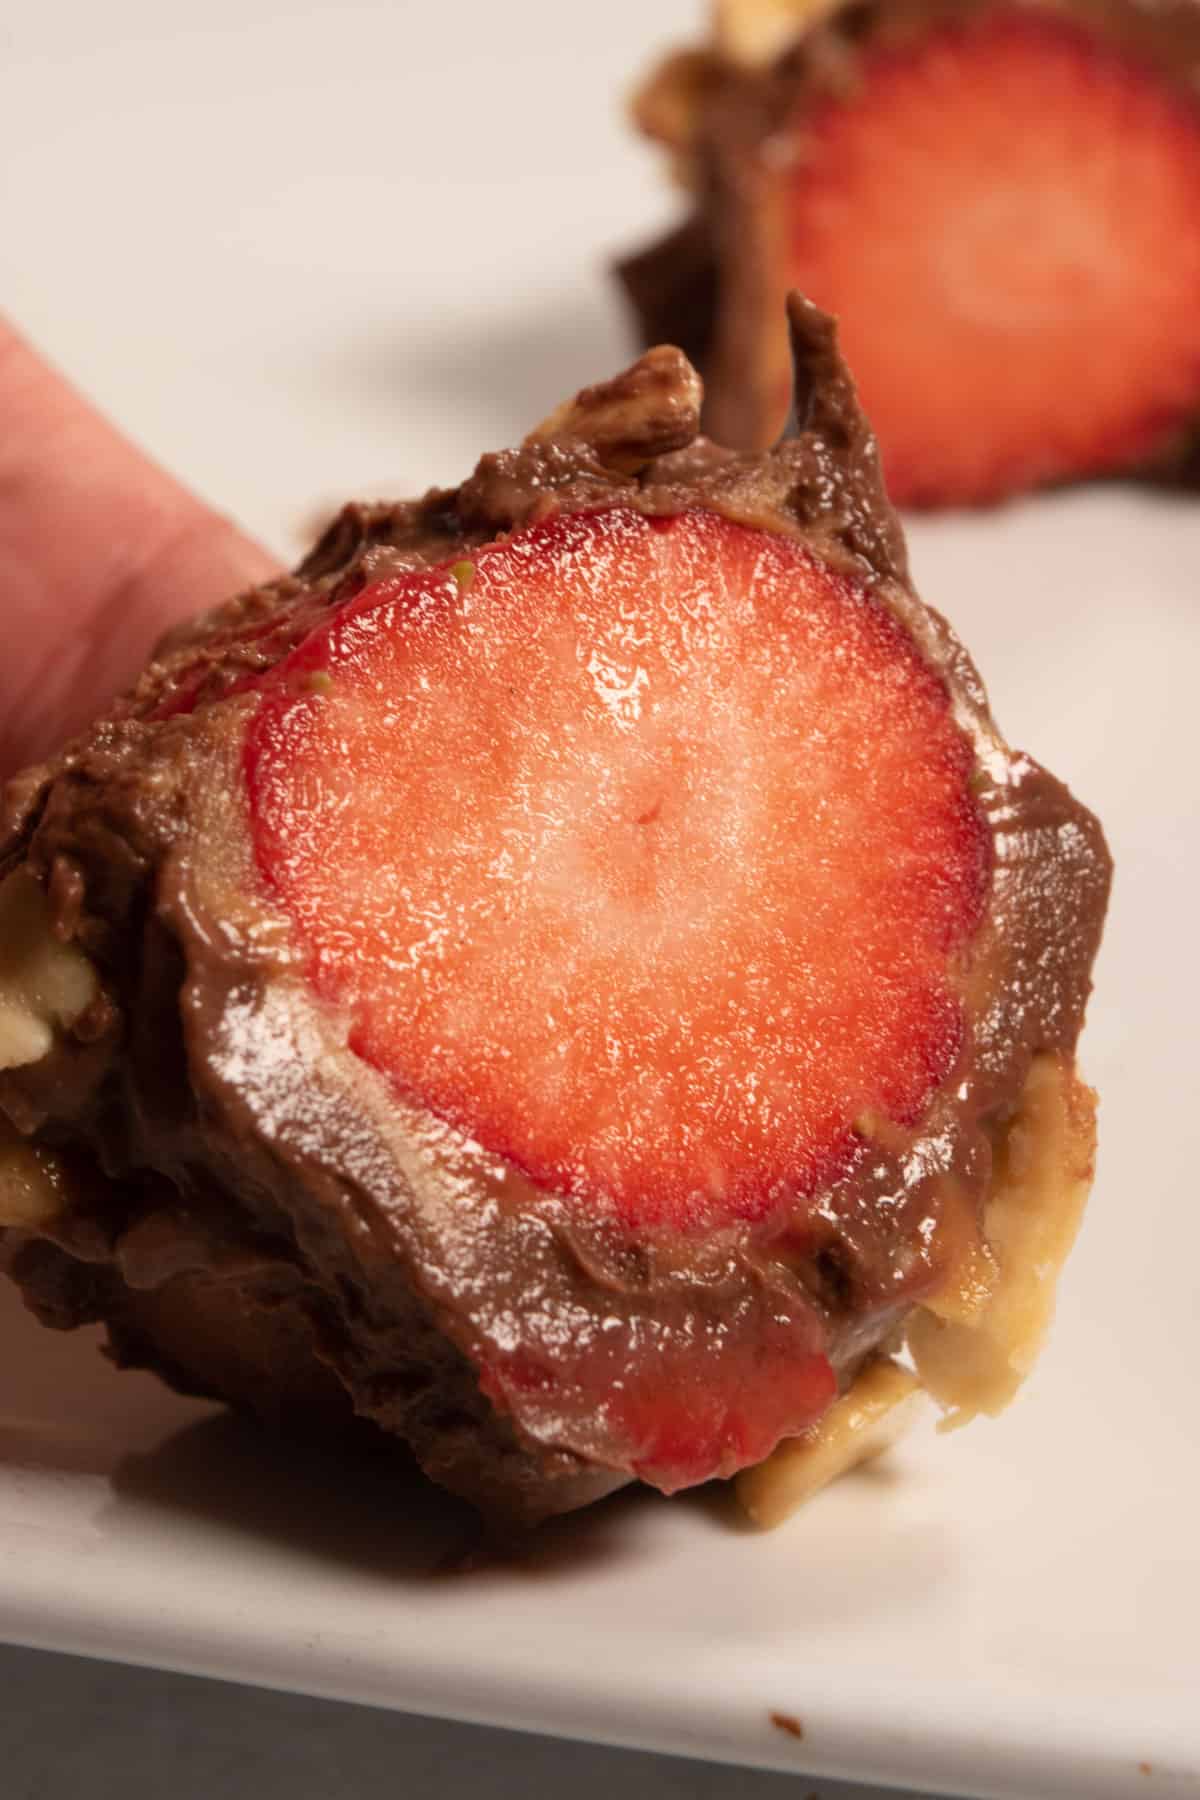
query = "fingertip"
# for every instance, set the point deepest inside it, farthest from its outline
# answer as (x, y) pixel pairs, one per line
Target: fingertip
(101, 553)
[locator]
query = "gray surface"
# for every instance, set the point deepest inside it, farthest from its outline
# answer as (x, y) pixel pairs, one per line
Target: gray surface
(70, 1727)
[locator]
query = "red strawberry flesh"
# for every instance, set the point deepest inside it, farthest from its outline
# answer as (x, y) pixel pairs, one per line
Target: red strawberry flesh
(1005, 216)
(638, 849)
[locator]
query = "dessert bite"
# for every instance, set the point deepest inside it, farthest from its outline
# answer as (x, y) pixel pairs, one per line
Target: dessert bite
(561, 977)
(999, 201)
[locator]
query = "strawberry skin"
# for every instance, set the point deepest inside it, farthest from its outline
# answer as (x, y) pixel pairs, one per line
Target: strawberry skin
(682, 1415)
(639, 854)
(1005, 216)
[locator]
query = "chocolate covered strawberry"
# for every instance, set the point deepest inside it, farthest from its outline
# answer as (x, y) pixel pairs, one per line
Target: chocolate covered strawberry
(999, 201)
(555, 974)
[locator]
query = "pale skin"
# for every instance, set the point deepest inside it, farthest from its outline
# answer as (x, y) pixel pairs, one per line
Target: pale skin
(100, 552)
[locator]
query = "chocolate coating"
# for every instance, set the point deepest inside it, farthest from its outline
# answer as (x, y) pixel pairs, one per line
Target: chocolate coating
(257, 1215)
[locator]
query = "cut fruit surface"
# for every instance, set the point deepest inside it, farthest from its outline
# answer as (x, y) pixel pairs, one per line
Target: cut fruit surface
(640, 849)
(1005, 216)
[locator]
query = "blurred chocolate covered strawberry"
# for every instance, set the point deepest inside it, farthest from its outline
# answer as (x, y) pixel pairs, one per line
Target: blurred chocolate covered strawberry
(999, 200)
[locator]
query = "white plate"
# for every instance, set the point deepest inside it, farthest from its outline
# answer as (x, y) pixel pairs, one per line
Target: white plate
(301, 252)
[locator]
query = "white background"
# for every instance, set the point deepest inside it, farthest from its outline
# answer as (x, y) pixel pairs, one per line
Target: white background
(304, 252)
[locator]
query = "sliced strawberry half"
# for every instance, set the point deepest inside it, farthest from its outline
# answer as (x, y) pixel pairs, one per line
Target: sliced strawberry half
(1005, 216)
(640, 849)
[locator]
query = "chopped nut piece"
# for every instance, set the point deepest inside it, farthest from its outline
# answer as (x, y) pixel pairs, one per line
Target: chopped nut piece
(651, 409)
(668, 103)
(44, 983)
(1041, 1182)
(879, 1408)
(754, 32)
(30, 1182)
(969, 1289)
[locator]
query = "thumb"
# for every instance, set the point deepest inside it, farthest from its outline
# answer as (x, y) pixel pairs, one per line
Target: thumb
(100, 552)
